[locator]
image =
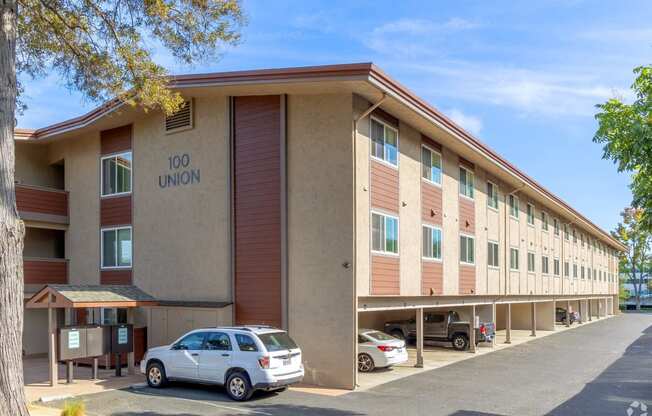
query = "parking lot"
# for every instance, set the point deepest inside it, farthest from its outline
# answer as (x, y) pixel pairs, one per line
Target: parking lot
(581, 371)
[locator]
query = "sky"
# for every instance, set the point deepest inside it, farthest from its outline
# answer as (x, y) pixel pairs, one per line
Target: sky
(524, 77)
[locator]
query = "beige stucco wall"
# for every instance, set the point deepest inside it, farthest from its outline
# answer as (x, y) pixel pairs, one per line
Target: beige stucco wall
(321, 289)
(363, 205)
(166, 324)
(34, 168)
(35, 331)
(450, 226)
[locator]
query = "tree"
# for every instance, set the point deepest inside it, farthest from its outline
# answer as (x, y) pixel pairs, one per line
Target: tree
(633, 233)
(625, 131)
(104, 49)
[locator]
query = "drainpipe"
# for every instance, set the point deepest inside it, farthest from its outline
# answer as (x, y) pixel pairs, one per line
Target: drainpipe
(355, 240)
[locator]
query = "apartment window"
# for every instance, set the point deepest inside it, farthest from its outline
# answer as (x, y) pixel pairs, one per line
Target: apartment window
(544, 264)
(431, 242)
(555, 224)
(492, 254)
(595, 274)
(384, 142)
(466, 182)
(600, 275)
(565, 232)
(513, 206)
(566, 269)
(530, 214)
(116, 247)
(492, 195)
(582, 272)
(574, 237)
(582, 239)
(513, 258)
(467, 249)
(384, 233)
(430, 165)
(556, 267)
(116, 174)
(574, 271)
(530, 262)
(544, 221)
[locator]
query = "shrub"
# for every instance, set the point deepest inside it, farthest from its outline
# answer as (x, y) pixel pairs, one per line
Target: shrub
(76, 408)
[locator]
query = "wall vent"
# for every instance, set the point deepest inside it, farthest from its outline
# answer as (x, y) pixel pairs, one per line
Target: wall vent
(181, 120)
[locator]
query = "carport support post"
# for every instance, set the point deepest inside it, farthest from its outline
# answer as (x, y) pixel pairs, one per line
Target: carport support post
(472, 332)
(567, 313)
(419, 319)
(52, 346)
(508, 324)
(533, 314)
(131, 359)
(588, 304)
(493, 320)
(581, 311)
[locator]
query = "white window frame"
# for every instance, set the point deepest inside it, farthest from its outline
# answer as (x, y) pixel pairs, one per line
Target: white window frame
(105, 229)
(492, 266)
(495, 188)
(518, 259)
(534, 262)
(131, 174)
(441, 162)
(527, 215)
(441, 243)
(555, 226)
(376, 158)
(472, 237)
(545, 270)
(566, 273)
(516, 205)
(556, 267)
(575, 274)
(544, 221)
(398, 234)
(459, 183)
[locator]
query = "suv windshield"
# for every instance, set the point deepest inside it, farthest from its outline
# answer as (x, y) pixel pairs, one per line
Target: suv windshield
(456, 317)
(380, 336)
(277, 341)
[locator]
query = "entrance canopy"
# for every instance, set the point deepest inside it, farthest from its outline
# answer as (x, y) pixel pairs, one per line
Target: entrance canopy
(90, 296)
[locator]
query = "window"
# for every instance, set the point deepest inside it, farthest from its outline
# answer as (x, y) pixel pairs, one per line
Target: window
(192, 342)
(277, 341)
(113, 316)
(466, 183)
(595, 273)
(544, 264)
(555, 224)
(384, 142)
(574, 271)
(544, 221)
(434, 318)
(116, 174)
(566, 269)
(492, 254)
(574, 236)
(530, 214)
(245, 343)
(217, 341)
(530, 262)
(556, 267)
(513, 258)
(431, 242)
(582, 272)
(565, 232)
(582, 239)
(384, 233)
(492, 195)
(513, 206)
(467, 249)
(116, 247)
(430, 165)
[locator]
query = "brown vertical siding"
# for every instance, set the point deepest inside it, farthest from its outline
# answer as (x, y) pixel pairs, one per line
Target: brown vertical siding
(384, 187)
(385, 277)
(467, 279)
(115, 277)
(43, 272)
(41, 200)
(115, 211)
(431, 203)
(257, 209)
(116, 140)
(432, 278)
(467, 215)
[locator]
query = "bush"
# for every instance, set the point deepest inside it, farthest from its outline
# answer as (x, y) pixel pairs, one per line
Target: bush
(74, 409)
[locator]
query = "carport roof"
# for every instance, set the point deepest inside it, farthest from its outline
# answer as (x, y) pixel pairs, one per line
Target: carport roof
(90, 296)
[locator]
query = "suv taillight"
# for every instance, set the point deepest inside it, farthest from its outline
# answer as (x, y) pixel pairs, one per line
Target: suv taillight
(385, 348)
(264, 362)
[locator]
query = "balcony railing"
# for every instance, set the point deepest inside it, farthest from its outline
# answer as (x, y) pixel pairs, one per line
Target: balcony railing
(37, 203)
(43, 271)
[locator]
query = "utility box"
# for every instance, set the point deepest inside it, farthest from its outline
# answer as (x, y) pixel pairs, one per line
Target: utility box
(98, 340)
(122, 339)
(72, 343)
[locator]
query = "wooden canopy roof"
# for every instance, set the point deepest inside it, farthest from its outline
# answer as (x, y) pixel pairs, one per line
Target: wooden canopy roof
(90, 296)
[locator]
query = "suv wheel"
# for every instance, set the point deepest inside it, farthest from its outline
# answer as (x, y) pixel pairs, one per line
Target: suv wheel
(460, 342)
(156, 375)
(365, 363)
(238, 387)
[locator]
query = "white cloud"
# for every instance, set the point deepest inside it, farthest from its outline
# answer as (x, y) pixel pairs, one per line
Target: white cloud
(470, 123)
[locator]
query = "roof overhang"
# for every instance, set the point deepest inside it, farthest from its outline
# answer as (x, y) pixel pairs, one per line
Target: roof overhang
(89, 296)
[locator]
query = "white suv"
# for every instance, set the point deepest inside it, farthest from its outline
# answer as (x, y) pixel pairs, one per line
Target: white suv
(243, 359)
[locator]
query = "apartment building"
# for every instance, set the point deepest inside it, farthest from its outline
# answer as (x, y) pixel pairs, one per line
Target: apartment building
(316, 199)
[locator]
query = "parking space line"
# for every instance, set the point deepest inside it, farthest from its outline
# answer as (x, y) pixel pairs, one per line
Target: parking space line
(218, 406)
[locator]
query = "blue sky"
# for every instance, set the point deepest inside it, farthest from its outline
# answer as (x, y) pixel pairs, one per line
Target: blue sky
(522, 77)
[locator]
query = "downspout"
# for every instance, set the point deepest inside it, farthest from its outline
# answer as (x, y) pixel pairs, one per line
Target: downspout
(355, 229)
(507, 251)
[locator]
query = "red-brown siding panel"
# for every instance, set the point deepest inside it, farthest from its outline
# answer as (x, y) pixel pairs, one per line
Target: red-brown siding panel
(43, 272)
(467, 215)
(116, 140)
(431, 203)
(257, 210)
(115, 211)
(41, 200)
(384, 187)
(115, 277)
(432, 278)
(385, 276)
(467, 279)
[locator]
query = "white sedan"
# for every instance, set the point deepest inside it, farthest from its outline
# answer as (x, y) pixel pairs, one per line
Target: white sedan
(377, 349)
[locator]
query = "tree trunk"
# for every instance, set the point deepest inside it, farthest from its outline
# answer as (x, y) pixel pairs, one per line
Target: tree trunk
(12, 230)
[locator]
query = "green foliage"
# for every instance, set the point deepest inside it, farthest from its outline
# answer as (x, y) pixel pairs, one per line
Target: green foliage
(625, 131)
(75, 408)
(105, 48)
